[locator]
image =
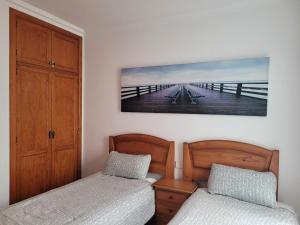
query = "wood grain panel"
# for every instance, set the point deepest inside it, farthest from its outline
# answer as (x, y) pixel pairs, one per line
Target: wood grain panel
(159, 168)
(205, 158)
(162, 151)
(34, 123)
(179, 186)
(65, 125)
(32, 97)
(167, 209)
(64, 109)
(170, 194)
(64, 167)
(34, 110)
(176, 198)
(65, 52)
(33, 176)
(33, 43)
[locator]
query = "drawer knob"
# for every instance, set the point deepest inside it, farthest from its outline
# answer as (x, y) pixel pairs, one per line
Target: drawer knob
(170, 210)
(170, 197)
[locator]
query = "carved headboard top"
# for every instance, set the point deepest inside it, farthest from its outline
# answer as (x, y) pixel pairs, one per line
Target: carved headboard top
(199, 156)
(162, 151)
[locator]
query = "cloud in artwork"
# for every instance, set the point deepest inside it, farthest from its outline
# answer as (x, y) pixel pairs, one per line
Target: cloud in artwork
(221, 71)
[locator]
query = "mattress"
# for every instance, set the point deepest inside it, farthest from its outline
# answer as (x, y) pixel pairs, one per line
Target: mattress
(207, 209)
(98, 199)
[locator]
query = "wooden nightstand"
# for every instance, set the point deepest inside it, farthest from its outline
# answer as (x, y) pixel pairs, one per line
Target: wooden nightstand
(169, 196)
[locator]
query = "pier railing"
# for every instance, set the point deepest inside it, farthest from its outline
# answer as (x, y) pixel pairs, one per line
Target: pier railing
(257, 90)
(136, 91)
(251, 89)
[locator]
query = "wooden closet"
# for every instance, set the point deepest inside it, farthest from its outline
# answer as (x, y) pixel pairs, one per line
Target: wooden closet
(45, 106)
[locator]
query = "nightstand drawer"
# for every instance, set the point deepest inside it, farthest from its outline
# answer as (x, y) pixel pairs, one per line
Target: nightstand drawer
(171, 196)
(166, 209)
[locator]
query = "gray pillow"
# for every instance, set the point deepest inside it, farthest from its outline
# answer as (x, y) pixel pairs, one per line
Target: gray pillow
(246, 185)
(126, 165)
(155, 176)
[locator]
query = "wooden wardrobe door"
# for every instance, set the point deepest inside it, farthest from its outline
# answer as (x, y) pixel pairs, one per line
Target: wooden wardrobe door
(33, 43)
(65, 124)
(44, 98)
(34, 123)
(65, 52)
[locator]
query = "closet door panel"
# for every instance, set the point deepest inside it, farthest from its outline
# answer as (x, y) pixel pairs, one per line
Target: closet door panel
(34, 124)
(65, 52)
(45, 77)
(33, 43)
(65, 125)
(64, 167)
(34, 110)
(34, 177)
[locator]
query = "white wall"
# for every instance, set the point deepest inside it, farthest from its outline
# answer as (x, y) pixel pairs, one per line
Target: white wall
(4, 80)
(258, 28)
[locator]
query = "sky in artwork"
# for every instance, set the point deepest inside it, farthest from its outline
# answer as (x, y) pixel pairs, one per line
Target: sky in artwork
(254, 69)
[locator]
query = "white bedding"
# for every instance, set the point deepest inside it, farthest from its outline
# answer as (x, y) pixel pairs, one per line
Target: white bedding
(98, 199)
(207, 209)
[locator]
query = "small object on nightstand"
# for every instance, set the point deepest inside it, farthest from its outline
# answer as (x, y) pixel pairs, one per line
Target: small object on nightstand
(170, 194)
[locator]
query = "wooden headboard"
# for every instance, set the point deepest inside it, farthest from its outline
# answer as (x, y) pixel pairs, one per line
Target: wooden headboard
(162, 151)
(199, 156)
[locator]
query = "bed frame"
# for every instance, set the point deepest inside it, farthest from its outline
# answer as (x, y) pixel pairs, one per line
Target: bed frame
(199, 156)
(162, 151)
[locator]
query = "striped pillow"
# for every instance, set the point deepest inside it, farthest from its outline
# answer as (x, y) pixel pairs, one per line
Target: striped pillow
(246, 185)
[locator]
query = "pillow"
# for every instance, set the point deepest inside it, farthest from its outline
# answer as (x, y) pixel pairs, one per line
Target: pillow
(153, 177)
(126, 165)
(246, 185)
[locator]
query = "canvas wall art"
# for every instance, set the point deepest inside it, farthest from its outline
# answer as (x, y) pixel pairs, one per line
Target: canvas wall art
(228, 87)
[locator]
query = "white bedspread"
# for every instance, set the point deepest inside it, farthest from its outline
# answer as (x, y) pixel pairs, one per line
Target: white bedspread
(205, 209)
(98, 199)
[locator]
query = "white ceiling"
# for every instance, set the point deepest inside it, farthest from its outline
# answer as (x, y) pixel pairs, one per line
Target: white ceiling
(121, 12)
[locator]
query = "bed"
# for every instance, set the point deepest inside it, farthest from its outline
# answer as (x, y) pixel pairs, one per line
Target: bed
(211, 209)
(100, 199)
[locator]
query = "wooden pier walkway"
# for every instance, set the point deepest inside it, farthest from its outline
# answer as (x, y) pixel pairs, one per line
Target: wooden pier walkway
(187, 98)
